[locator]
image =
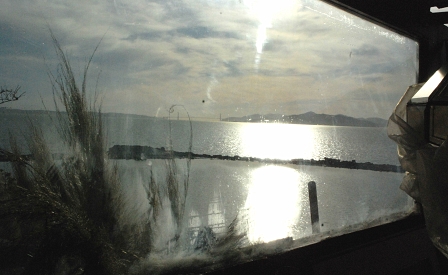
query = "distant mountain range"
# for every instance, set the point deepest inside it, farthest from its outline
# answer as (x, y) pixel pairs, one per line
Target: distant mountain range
(306, 118)
(311, 118)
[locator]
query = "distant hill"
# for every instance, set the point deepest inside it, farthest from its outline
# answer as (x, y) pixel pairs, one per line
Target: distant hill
(306, 118)
(311, 118)
(378, 121)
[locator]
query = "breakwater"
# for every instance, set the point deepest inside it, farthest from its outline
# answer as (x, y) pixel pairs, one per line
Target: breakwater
(137, 152)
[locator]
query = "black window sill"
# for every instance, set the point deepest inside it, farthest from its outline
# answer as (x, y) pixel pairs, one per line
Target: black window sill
(400, 247)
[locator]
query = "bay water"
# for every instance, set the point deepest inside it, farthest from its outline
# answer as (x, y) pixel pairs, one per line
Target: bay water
(270, 201)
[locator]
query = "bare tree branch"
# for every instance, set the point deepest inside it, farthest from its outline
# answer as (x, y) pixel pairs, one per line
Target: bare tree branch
(7, 95)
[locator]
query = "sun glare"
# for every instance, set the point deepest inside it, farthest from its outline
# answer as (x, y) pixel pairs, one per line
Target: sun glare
(267, 11)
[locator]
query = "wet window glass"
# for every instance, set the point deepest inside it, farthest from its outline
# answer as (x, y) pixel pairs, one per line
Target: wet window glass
(244, 122)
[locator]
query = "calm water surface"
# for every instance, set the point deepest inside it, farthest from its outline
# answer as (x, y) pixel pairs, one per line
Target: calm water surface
(275, 141)
(270, 201)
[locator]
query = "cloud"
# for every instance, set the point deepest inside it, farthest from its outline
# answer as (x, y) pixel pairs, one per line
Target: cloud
(366, 50)
(199, 32)
(157, 53)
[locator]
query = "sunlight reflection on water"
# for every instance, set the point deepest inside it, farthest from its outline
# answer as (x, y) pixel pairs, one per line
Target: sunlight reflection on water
(274, 141)
(273, 203)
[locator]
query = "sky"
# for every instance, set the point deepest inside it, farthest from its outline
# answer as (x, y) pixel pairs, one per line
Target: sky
(213, 57)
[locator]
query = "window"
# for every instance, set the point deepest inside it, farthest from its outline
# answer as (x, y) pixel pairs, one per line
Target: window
(266, 96)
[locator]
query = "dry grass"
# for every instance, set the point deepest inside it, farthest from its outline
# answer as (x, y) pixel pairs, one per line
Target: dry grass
(176, 194)
(68, 216)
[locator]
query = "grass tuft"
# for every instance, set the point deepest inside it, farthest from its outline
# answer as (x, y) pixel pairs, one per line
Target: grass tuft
(68, 216)
(65, 212)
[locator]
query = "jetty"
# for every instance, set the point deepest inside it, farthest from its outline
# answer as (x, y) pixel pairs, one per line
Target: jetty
(137, 152)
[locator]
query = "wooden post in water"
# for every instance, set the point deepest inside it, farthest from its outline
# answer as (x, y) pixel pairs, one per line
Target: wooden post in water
(314, 209)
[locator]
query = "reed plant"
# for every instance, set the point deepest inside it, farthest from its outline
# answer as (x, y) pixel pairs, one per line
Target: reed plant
(72, 210)
(68, 216)
(177, 194)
